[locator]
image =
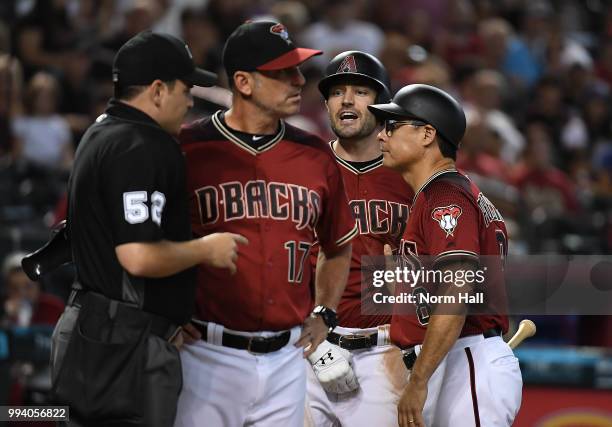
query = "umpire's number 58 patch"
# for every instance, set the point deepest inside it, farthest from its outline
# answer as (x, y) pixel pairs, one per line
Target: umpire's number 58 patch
(136, 209)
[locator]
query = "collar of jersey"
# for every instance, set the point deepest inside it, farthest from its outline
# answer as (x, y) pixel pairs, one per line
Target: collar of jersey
(431, 178)
(124, 111)
(352, 168)
(227, 132)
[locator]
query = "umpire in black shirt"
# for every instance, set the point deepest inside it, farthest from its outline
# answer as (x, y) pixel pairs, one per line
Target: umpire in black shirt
(114, 351)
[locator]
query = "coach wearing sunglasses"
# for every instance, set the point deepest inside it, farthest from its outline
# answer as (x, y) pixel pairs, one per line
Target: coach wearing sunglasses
(460, 368)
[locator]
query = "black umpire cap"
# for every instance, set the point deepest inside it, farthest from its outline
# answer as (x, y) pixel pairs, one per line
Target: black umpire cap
(149, 56)
(428, 104)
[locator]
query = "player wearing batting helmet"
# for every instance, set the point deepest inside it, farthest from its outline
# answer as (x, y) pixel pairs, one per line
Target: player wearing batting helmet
(358, 354)
(461, 371)
(251, 173)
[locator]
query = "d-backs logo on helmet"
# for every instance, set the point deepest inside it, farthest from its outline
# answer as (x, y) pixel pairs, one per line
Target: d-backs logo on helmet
(447, 217)
(348, 65)
(281, 31)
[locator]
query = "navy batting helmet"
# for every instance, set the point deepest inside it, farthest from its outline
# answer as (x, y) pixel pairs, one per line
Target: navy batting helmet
(428, 104)
(354, 63)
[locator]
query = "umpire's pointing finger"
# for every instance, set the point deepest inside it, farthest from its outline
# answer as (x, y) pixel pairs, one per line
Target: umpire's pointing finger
(240, 239)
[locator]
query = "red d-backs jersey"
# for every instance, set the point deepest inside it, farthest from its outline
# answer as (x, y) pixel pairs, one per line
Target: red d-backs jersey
(278, 196)
(380, 201)
(452, 219)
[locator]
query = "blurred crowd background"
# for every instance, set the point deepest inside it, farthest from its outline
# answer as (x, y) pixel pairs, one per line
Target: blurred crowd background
(534, 77)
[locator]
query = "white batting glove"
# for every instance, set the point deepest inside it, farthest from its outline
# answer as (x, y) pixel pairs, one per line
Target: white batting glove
(332, 366)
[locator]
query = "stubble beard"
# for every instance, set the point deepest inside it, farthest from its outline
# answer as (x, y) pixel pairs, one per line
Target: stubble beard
(280, 111)
(367, 127)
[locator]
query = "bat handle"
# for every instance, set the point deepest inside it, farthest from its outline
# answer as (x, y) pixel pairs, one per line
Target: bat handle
(525, 330)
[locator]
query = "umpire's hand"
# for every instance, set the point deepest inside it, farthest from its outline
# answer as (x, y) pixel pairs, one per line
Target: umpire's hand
(221, 249)
(314, 332)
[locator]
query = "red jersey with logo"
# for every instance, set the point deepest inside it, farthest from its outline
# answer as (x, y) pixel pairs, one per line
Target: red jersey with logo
(380, 201)
(278, 196)
(452, 220)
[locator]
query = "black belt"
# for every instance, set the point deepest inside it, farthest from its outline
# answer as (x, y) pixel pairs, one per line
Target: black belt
(256, 345)
(160, 326)
(493, 332)
(353, 342)
(409, 356)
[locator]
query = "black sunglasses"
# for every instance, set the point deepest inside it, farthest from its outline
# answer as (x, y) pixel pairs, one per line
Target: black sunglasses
(391, 125)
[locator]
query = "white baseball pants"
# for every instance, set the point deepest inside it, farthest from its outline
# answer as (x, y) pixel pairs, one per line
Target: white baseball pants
(478, 384)
(226, 387)
(382, 377)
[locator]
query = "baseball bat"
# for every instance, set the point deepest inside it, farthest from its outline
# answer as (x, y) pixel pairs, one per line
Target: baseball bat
(526, 329)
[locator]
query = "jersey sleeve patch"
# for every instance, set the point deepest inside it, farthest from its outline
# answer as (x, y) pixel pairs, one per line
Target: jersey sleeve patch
(447, 218)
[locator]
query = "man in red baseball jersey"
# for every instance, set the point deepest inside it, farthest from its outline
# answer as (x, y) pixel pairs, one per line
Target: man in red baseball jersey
(462, 372)
(250, 172)
(379, 198)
